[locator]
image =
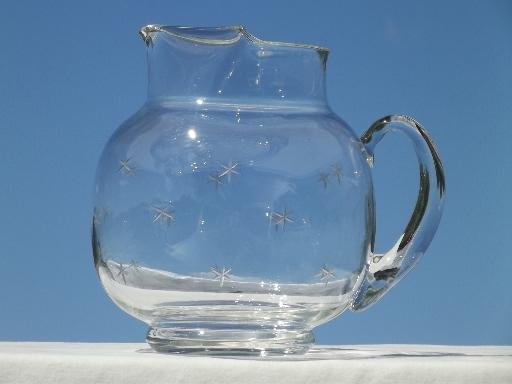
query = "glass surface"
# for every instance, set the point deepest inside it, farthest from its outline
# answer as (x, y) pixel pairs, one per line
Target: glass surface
(234, 211)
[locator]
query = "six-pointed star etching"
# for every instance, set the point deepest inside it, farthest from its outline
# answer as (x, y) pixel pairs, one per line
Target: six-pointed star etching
(326, 274)
(221, 274)
(280, 219)
(228, 170)
(123, 268)
(126, 168)
(215, 179)
(337, 172)
(324, 178)
(122, 271)
(165, 214)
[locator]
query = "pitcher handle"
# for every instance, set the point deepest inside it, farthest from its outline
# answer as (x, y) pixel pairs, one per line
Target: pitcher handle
(383, 271)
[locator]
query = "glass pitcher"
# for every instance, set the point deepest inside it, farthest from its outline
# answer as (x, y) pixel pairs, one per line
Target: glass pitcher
(234, 212)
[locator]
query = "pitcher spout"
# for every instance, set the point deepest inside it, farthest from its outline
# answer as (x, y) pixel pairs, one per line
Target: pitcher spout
(206, 35)
(147, 31)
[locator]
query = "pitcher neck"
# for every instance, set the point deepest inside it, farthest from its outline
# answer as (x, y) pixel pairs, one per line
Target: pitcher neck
(219, 65)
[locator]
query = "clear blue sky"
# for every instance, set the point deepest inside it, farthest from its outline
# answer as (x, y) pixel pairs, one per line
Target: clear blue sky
(71, 73)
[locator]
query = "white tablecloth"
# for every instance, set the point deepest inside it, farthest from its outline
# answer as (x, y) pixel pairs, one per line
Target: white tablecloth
(22, 362)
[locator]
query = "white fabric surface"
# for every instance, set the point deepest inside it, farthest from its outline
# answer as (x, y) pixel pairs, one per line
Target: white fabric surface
(23, 362)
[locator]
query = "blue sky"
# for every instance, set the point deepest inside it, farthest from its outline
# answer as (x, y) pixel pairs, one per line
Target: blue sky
(71, 73)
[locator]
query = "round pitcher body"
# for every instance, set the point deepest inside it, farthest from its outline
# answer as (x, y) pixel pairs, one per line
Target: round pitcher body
(234, 212)
(232, 217)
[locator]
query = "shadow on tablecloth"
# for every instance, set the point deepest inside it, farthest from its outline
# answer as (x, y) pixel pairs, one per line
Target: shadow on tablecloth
(348, 353)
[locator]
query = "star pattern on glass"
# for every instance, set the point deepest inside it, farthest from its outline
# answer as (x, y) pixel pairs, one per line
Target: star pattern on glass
(280, 219)
(325, 274)
(228, 170)
(165, 214)
(126, 168)
(122, 271)
(324, 179)
(221, 274)
(337, 172)
(215, 179)
(123, 268)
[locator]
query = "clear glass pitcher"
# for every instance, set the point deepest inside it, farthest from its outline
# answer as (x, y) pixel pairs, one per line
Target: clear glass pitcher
(234, 212)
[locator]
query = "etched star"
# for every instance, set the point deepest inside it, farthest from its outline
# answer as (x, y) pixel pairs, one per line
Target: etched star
(215, 179)
(221, 274)
(165, 214)
(324, 178)
(122, 271)
(126, 168)
(336, 170)
(229, 170)
(326, 274)
(280, 219)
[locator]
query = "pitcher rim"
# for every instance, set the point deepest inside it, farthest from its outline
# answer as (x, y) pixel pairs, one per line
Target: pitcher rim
(145, 33)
